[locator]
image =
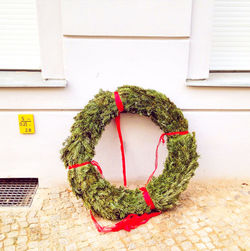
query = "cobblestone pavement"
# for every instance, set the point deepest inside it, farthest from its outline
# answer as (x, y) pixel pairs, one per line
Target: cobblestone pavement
(211, 216)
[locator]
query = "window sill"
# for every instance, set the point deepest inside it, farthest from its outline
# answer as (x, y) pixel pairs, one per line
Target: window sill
(28, 79)
(223, 79)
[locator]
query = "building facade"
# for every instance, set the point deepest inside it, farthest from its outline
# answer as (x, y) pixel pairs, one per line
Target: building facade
(87, 45)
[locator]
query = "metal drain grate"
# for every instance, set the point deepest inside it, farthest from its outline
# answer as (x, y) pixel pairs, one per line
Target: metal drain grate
(17, 192)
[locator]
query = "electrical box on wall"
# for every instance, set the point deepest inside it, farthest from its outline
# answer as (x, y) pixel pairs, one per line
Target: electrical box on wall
(26, 123)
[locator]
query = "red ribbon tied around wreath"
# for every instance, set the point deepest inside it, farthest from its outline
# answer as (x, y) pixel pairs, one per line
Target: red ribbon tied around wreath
(132, 221)
(120, 108)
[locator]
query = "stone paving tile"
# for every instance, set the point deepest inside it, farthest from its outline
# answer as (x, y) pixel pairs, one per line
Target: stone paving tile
(211, 215)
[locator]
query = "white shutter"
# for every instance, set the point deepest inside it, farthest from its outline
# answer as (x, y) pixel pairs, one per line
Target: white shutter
(19, 45)
(231, 35)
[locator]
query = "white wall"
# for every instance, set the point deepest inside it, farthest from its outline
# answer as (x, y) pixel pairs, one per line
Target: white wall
(91, 64)
(162, 18)
(223, 142)
(34, 155)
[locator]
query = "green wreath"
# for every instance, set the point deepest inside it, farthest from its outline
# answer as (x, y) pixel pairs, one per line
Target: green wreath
(98, 194)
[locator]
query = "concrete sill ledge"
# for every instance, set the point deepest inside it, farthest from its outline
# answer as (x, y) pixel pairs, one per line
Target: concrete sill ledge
(28, 79)
(223, 79)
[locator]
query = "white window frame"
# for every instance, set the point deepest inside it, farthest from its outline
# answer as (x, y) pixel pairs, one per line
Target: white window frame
(200, 39)
(199, 52)
(51, 52)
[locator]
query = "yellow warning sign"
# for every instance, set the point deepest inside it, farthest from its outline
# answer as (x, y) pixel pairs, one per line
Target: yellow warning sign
(26, 123)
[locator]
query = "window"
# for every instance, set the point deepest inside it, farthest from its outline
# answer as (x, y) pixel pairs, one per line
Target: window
(22, 49)
(19, 43)
(220, 44)
(230, 48)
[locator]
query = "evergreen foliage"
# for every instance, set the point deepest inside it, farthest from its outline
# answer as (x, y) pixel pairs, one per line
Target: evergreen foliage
(97, 193)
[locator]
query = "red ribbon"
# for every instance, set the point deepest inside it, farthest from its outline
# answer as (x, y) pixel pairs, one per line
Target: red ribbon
(118, 102)
(132, 221)
(161, 139)
(120, 108)
(94, 163)
(147, 198)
